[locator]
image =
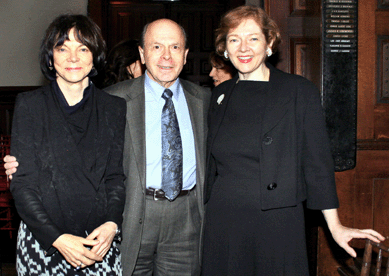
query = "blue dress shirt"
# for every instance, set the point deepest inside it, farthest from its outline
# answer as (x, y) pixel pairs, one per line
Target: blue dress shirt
(154, 105)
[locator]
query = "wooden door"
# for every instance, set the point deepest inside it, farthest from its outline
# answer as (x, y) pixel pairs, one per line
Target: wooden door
(299, 22)
(364, 191)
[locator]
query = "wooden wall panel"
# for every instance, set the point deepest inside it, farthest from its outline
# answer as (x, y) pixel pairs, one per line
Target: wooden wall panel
(361, 192)
(366, 69)
(383, 68)
(200, 24)
(299, 23)
(381, 206)
(381, 120)
(127, 19)
(304, 58)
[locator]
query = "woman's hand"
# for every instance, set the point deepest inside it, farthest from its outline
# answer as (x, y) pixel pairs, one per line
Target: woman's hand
(10, 165)
(104, 234)
(74, 251)
(343, 235)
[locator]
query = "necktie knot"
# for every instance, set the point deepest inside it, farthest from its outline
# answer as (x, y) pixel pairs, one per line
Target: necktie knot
(167, 94)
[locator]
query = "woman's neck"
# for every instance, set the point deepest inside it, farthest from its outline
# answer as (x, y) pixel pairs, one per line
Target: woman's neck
(73, 92)
(261, 74)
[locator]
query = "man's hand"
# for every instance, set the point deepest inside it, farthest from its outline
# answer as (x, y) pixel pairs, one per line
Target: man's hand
(10, 165)
(104, 234)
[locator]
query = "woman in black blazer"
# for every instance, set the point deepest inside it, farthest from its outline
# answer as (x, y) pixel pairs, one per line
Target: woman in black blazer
(68, 139)
(268, 152)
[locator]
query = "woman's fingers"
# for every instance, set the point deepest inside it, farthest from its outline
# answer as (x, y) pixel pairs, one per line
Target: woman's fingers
(74, 251)
(105, 234)
(373, 235)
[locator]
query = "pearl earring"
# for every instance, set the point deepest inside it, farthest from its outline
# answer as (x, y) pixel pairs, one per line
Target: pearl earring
(226, 54)
(269, 52)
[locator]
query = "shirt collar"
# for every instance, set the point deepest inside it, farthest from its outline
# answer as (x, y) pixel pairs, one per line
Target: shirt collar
(156, 89)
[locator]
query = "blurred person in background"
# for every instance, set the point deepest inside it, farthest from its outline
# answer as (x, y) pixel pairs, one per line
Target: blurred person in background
(222, 70)
(123, 63)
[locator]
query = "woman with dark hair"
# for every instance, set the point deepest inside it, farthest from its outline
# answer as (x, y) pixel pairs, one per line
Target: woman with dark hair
(123, 63)
(267, 153)
(68, 139)
(222, 70)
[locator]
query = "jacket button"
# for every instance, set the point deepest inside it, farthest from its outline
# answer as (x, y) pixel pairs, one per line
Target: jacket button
(272, 186)
(140, 221)
(267, 141)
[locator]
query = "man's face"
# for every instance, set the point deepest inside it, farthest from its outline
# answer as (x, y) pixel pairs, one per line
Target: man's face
(164, 51)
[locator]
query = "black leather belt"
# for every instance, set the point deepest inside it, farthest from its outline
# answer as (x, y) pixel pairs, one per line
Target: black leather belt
(158, 194)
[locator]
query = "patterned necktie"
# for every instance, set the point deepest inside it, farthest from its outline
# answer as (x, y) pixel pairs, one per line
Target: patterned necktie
(171, 149)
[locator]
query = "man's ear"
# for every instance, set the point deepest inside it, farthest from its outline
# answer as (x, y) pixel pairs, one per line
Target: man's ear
(185, 55)
(142, 56)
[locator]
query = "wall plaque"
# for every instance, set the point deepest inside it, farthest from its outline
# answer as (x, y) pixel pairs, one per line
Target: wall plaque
(339, 78)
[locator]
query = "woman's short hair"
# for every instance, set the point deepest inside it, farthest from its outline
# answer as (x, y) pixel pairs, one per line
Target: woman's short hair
(220, 63)
(119, 58)
(234, 17)
(86, 32)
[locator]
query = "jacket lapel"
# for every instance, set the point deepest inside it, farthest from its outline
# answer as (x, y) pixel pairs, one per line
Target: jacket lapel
(137, 125)
(197, 117)
(277, 100)
(218, 111)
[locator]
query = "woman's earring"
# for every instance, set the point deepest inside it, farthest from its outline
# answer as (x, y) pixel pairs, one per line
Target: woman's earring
(51, 67)
(226, 54)
(269, 52)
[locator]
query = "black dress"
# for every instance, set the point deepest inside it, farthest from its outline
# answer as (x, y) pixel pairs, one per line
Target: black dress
(240, 238)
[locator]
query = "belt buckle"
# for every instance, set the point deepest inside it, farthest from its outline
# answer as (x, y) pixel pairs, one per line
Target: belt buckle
(155, 194)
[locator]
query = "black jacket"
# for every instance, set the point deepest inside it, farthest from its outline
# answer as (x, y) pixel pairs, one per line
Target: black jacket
(295, 157)
(50, 165)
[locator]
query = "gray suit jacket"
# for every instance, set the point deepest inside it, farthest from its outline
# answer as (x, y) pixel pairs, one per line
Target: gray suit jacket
(134, 161)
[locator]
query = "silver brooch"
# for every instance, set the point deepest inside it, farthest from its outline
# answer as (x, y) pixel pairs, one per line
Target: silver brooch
(220, 99)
